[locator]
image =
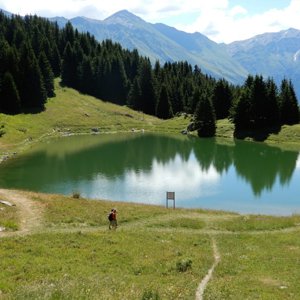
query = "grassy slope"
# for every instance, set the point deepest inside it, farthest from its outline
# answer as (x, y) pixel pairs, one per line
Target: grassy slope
(73, 255)
(72, 112)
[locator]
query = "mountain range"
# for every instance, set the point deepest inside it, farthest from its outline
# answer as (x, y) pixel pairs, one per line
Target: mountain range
(274, 55)
(161, 42)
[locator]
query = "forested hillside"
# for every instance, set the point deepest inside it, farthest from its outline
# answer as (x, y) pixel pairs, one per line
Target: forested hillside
(34, 51)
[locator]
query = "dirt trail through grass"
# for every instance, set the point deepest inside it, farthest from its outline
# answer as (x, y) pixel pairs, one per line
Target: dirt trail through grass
(30, 212)
(206, 279)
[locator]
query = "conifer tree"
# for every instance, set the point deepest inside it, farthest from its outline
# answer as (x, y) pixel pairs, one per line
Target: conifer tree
(272, 106)
(164, 108)
(289, 110)
(205, 120)
(86, 77)
(242, 111)
(146, 82)
(55, 60)
(135, 94)
(9, 96)
(32, 89)
(68, 75)
(47, 74)
(222, 99)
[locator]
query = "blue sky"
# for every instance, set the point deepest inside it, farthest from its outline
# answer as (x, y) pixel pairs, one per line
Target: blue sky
(220, 20)
(255, 7)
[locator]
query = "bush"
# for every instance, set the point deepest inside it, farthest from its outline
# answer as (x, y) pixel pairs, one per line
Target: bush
(76, 195)
(150, 295)
(184, 265)
(2, 131)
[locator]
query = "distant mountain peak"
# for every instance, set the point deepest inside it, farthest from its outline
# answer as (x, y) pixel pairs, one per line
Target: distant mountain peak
(7, 13)
(123, 17)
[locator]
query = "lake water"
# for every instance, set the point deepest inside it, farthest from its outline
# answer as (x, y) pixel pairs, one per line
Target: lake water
(240, 176)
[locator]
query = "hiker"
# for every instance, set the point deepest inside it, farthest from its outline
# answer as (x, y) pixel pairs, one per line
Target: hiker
(112, 217)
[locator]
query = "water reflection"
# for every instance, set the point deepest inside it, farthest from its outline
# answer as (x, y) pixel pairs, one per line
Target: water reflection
(143, 167)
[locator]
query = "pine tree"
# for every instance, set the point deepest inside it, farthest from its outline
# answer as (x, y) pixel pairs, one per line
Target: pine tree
(259, 103)
(147, 85)
(272, 111)
(164, 108)
(68, 72)
(47, 74)
(9, 96)
(32, 89)
(241, 111)
(55, 60)
(222, 99)
(86, 76)
(289, 110)
(135, 94)
(118, 81)
(205, 120)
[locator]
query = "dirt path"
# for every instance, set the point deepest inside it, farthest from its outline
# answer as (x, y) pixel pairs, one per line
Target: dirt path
(29, 211)
(206, 279)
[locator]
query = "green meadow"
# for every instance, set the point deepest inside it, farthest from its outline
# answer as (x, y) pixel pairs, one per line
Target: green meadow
(155, 253)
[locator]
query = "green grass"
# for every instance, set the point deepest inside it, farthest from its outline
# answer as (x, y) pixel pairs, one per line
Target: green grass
(257, 267)
(180, 222)
(8, 218)
(89, 212)
(256, 223)
(101, 264)
(158, 252)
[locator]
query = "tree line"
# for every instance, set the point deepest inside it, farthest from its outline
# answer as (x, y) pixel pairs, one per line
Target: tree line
(33, 51)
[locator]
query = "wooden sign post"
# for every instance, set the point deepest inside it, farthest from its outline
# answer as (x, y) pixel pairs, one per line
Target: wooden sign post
(170, 196)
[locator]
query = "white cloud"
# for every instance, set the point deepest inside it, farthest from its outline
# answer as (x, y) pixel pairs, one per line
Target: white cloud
(215, 18)
(226, 25)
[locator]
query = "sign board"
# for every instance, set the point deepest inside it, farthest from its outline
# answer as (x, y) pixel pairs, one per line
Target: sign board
(170, 196)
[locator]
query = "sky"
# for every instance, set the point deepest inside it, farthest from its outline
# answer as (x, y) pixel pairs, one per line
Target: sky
(220, 20)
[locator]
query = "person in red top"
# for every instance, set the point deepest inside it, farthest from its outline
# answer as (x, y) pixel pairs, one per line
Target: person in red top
(113, 224)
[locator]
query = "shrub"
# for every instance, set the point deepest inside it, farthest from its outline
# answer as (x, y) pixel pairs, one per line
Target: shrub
(184, 265)
(76, 195)
(150, 295)
(2, 131)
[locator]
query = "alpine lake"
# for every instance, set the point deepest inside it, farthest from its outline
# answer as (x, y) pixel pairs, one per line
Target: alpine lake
(237, 176)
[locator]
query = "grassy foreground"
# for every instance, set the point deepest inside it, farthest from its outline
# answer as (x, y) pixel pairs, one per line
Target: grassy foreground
(154, 254)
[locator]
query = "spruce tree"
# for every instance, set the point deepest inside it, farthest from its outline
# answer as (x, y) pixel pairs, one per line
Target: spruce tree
(222, 99)
(164, 108)
(205, 120)
(68, 72)
(289, 110)
(147, 85)
(32, 89)
(258, 94)
(47, 74)
(272, 111)
(135, 94)
(241, 115)
(9, 96)
(86, 76)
